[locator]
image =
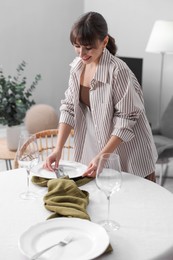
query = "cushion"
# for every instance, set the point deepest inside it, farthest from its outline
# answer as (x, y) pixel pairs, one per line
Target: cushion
(40, 117)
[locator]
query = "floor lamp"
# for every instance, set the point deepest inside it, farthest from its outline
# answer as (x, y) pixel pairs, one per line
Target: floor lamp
(161, 41)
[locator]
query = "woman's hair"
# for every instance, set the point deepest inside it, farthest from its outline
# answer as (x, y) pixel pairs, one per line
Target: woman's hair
(89, 28)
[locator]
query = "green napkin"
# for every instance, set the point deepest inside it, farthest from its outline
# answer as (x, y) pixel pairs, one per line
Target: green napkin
(109, 249)
(43, 181)
(65, 199)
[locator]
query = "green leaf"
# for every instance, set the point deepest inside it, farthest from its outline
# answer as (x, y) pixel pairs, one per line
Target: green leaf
(15, 96)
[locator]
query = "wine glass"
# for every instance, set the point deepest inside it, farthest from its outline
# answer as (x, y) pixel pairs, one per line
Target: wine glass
(109, 180)
(27, 157)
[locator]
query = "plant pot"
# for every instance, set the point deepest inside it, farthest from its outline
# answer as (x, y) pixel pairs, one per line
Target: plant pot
(13, 134)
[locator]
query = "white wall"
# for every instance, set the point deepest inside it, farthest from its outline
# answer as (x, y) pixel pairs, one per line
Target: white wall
(37, 31)
(130, 23)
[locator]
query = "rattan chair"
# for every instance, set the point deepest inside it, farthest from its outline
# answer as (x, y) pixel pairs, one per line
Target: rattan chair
(46, 141)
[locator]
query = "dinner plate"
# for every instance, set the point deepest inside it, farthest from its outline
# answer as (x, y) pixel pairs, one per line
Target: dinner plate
(89, 240)
(70, 168)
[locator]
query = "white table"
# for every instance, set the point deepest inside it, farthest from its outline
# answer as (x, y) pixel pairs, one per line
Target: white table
(143, 209)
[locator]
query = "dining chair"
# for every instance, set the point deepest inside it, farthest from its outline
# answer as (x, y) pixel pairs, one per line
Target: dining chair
(163, 138)
(46, 141)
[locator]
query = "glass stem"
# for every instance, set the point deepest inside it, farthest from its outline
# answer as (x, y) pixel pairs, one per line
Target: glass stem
(108, 198)
(28, 174)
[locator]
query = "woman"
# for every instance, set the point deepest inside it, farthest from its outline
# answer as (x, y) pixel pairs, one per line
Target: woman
(104, 104)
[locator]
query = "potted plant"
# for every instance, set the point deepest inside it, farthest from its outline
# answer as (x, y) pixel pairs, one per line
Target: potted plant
(15, 99)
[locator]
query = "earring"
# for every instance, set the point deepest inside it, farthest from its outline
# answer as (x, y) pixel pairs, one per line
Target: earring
(104, 49)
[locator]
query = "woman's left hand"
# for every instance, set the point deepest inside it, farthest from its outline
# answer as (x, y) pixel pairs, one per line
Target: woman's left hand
(92, 168)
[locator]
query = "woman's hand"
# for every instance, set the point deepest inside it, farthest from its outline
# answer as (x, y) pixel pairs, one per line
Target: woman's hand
(54, 157)
(92, 168)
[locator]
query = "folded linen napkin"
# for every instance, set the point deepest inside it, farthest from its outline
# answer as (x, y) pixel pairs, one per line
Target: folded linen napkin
(43, 181)
(65, 199)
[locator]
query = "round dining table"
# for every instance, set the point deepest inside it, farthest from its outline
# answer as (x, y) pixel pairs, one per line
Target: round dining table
(143, 209)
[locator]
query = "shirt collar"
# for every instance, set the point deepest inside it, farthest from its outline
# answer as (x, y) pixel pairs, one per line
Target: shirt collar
(103, 67)
(76, 64)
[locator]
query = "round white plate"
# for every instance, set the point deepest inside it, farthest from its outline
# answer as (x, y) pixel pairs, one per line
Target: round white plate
(89, 240)
(70, 168)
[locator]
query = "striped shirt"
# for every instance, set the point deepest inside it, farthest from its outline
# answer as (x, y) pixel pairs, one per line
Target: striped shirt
(117, 108)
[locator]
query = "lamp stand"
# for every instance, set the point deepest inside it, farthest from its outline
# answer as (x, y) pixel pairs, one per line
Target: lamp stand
(161, 86)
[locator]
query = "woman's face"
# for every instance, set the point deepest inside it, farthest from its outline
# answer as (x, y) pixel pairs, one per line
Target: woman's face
(90, 54)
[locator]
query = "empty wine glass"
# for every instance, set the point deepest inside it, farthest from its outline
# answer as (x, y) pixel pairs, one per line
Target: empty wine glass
(28, 157)
(109, 180)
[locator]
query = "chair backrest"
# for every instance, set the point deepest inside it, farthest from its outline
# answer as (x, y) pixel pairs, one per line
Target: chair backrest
(166, 125)
(46, 141)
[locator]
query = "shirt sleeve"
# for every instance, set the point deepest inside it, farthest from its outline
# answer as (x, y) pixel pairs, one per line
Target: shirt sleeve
(67, 106)
(128, 103)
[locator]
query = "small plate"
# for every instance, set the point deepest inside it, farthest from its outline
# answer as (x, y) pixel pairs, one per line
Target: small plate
(89, 240)
(70, 168)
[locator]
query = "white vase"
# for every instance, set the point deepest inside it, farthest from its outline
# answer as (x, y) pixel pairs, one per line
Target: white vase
(13, 134)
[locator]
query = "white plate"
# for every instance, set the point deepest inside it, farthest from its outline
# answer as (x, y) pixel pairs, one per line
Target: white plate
(72, 169)
(89, 240)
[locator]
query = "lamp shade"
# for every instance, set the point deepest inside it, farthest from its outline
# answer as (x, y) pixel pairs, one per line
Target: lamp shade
(161, 38)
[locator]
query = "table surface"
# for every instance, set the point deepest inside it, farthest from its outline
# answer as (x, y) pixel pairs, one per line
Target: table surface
(143, 209)
(5, 153)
